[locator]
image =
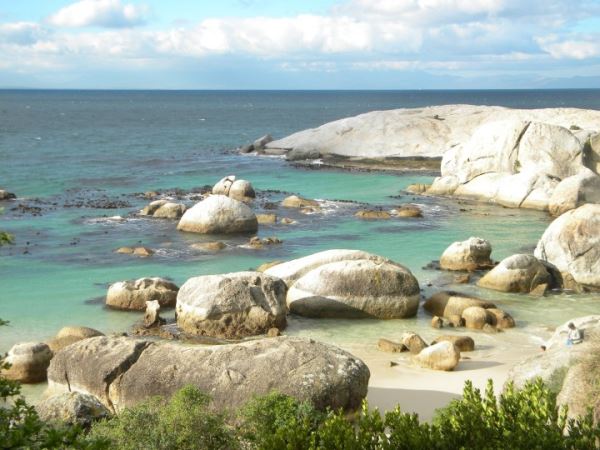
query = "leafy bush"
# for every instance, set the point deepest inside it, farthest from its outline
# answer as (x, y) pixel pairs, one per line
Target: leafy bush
(184, 422)
(6, 238)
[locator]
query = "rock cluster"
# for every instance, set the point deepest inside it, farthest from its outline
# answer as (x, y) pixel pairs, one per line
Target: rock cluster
(237, 189)
(164, 209)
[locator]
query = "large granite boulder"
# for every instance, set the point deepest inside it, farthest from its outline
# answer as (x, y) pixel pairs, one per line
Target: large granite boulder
(233, 305)
(28, 361)
(72, 408)
(517, 273)
(356, 289)
(572, 244)
(520, 163)
(234, 188)
(123, 372)
(293, 270)
(69, 335)
(472, 254)
(133, 294)
(441, 356)
(219, 214)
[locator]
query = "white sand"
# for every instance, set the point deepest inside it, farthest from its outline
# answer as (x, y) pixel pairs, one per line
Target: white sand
(423, 391)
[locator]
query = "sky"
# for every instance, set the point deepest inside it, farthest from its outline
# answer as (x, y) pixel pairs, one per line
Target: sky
(295, 44)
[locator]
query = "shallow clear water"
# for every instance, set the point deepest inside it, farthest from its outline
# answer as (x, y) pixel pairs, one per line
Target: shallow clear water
(66, 148)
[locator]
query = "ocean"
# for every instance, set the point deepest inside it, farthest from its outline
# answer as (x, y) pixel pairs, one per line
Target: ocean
(75, 158)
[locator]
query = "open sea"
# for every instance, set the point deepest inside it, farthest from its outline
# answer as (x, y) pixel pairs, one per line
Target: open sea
(75, 158)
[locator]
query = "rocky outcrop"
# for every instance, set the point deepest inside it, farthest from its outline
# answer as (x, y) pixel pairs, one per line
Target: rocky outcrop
(572, 244)
(420, 132)
(441, 356)
(569, 371)
(233, 305)
(521, 163)
(449, 303)
(73, 408)
(123, 372)
(517, 273)
(133, 294)
(219, 214)
(371, 287)
(28, 361)
(69, 335)
(472, 254)
(231, 187)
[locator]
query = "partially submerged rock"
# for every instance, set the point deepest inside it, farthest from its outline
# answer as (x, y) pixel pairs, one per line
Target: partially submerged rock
(232, 305)
(375, 288)
(449, 303)
(441, 356)
(294, 201)
(472, 254)
(385, 345)
(408, 210)
(211, 247)
(5, 195)
(517, 273)
(69, 335)
(266, 218)
(122, 372)
(28, 361)
(219, 214)
(373, 214)
(73, 408)
(572, 244)
(133, 294)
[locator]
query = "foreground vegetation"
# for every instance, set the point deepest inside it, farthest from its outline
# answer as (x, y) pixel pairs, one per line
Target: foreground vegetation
(519, 419)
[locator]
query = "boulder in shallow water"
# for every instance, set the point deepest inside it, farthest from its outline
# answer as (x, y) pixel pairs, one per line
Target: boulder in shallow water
(385, 345)
(73, 408)
(408, 210)
(517, 273)
(219, 214)
(372, 214)
(133, 294)
(294, 201)
(476, 317)
(122, 372)
(170, 210)
(472, 254)
(211, 247)
(441, 356)
(499, 318)
(233, 305)
(69, 335)
(266, 219)
(355, 289)
(572, 244)
(413, 342)
(28, 361)
(463, 343)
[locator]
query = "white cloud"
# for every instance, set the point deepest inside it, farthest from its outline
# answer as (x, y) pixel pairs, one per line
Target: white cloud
(572, 47)
(101, 13)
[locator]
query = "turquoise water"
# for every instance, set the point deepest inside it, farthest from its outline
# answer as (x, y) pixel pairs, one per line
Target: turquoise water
(60, 151)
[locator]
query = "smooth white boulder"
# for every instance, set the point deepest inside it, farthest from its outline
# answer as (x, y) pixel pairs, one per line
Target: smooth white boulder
(219, 214)
(571, 243)
(441, 356)
(133, 294)
(356, 289)
(472, 254)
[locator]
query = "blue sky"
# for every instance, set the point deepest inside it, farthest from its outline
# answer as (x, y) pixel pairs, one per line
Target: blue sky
(327, 44)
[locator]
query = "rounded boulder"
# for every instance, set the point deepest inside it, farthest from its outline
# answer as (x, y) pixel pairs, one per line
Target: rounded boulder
(133, 294)
(219, 214)
(472, 254)
(28, 361)
(517, 273)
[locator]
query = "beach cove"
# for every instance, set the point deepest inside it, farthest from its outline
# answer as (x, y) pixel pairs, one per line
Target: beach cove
(72, 180)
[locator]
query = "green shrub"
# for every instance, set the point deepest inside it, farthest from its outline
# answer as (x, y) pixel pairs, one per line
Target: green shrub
(6, 238)
(184, 422)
